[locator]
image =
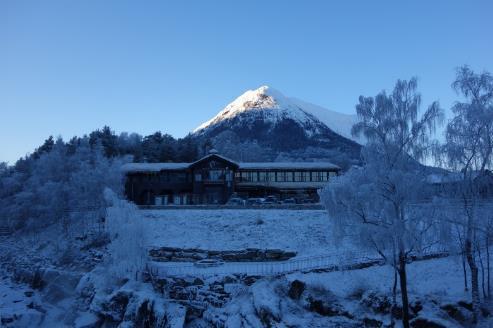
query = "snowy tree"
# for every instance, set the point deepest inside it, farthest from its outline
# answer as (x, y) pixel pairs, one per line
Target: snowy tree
(58, 184)
(377, 202)
(468, 150)
(125, 226)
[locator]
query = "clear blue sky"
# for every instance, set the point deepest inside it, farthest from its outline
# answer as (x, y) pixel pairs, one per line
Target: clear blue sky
(69, 67)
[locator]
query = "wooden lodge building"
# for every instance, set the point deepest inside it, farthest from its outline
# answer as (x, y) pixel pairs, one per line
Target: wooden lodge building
(213, 179)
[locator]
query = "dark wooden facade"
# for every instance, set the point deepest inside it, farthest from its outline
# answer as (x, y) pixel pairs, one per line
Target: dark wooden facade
(214, 179)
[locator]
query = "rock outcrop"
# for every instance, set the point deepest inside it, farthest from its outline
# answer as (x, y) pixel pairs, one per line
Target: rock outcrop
(173, 254)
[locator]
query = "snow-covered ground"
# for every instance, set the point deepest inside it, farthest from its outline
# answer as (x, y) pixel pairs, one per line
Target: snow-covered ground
(75, 298)
(436, 292)
(429, 277)
(307, 232)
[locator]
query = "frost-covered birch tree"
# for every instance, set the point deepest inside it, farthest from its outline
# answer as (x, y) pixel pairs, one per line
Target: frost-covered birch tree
(125, 227)
(376, 202)
(468, 151)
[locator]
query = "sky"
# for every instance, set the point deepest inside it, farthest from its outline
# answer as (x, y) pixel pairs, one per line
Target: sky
(70, 67)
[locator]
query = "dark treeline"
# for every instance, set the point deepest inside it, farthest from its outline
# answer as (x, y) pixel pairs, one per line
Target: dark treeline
(153, 148)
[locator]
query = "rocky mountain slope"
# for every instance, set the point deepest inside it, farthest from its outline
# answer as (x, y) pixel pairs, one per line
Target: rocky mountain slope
(264, 125)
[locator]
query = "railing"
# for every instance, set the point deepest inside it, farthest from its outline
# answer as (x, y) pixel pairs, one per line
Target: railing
(298, 207)
(326, 263)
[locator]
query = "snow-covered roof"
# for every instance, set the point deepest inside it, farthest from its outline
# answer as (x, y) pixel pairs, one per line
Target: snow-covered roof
(153, 167)
(440, 178)
(289, 165)
(156, 167)
(213, 154)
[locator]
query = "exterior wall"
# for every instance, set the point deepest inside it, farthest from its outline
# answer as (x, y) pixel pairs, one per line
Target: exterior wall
(142, 188)
(213, 180)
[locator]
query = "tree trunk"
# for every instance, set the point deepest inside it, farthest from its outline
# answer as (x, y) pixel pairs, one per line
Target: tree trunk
(394, 296)
(469, 249)
(403, 281)
(463, 257)
(474, 280)
(464, 270)
(488, 264)
(482, 270)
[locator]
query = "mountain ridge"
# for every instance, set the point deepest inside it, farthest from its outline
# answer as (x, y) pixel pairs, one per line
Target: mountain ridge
(263, 124)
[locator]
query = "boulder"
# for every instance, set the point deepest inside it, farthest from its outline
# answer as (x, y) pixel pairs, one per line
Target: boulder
(378, 303)
(198, 282)
(266, 303)
(296, 289)
(328, 309)
(287, 255)
(273, 254)
(247, 256)
(114, 309)
(456, 312)
(465, 305)
(425, 323)
(371, 323)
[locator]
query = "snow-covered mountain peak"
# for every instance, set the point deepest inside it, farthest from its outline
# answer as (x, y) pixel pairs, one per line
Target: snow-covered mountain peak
(271, 104)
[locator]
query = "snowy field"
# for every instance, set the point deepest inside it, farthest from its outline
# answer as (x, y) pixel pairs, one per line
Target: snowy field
(436, 285)
(307, 232)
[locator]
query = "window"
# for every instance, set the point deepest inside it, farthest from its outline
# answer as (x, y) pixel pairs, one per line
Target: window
(198, 177)
(271, 176)
(306, 176)
(298, 176)
(253, 177)
(288, 176)
(215, 175)
(325, 176)
(244, 176)
(262, 176)
(178, 177)
(280, 176)
(332, 174)
(229, 176)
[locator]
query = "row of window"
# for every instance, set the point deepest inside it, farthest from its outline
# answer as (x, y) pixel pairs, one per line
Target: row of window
(214, 175)
(284, 176)
(166, 177)
(243, 176)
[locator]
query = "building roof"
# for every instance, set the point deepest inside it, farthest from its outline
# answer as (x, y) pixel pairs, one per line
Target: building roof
(153, 167)
(288, 165)
(213, 154)
(156, 167)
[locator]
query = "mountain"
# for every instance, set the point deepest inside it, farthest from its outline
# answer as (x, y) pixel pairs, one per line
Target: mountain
(338, 122)
(263, 124)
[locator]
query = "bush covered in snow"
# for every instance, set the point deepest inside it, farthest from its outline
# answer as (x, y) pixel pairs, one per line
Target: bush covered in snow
(125, 227)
